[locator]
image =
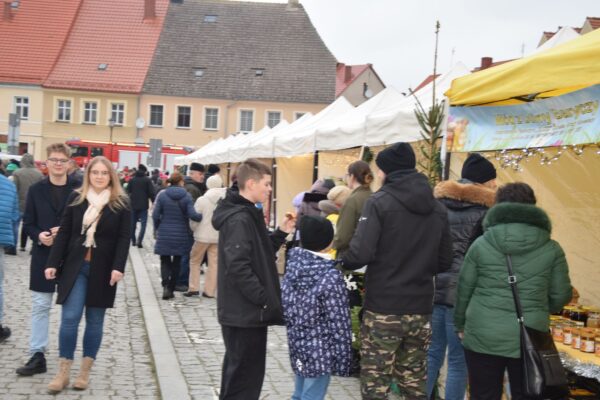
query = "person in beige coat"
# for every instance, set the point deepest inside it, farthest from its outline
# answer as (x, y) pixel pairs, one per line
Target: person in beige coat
(206, 239)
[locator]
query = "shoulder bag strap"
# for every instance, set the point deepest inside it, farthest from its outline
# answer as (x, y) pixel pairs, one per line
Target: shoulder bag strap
(512, 280)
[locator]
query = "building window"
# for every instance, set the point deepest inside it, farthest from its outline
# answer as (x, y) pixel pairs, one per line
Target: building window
(298, 115)
(211, 118)
(273, 118)
(117, 113)
(210, 18)
(90, 112)
(184, 117)
(246, 119)
(156, 115)
(22, 107)
(64, 111)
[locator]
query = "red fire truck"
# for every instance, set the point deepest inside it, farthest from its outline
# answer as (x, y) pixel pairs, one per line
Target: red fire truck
(123, 154)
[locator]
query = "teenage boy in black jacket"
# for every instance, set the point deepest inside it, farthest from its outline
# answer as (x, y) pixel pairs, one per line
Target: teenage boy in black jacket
(404, 239)
(249, 295)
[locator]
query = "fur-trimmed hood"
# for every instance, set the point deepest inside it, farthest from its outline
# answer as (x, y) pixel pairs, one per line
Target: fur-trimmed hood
(509, 213)
(465, 192)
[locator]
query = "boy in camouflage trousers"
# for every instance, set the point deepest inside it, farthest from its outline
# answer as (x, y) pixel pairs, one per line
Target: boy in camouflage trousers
(403, 237)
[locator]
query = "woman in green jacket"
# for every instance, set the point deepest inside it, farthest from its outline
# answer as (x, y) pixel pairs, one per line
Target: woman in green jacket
(358, 179)
(485, 314)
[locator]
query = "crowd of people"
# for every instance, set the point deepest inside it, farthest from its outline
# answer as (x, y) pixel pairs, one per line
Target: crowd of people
(435, 283)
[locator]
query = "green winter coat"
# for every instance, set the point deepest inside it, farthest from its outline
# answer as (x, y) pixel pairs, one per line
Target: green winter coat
(348, 219)
(485, 309)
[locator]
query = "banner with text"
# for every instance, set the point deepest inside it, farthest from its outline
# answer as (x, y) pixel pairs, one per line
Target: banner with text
(569, 119)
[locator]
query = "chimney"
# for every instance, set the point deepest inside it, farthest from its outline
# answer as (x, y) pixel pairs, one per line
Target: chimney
(149, 9)
(293, 4)
(7, 14)
(486, 62)
(347, 73)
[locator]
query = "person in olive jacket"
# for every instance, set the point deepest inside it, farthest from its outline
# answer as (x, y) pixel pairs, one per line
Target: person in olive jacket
(88, 259)
(249, 297)
(467, 201)
(485, 313)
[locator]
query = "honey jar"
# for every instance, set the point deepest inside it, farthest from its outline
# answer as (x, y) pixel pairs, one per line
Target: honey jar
(566, 311)
(588, 341)
(593, 320)
(557, 332)
(568, 335)
(576, 342)
(579, 316)
(597, 346)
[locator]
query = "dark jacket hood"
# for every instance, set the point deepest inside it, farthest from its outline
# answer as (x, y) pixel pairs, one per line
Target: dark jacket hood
(411, 189)
(306, 269)
(140, 174)
(231, 204)
(175, 192)
(464, 194)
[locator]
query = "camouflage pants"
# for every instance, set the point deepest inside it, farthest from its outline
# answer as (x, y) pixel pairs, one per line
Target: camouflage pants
(394, 347)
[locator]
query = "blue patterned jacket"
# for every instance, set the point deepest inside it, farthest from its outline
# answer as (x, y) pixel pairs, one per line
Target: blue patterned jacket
(317, 315)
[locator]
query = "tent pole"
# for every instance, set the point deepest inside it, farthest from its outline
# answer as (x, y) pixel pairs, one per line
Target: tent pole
(274, 192)
(315, 166)
(446, 172)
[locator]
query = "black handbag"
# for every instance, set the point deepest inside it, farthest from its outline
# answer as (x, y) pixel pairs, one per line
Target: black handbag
(544, 376)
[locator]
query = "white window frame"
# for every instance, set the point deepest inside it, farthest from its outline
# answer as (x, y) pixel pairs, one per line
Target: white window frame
(82, 108)
(19, 106)
(273, 111)
(253, 111)
(150, 115)
(204, 115)
(124, 112)
(177, 116)
(57, 101)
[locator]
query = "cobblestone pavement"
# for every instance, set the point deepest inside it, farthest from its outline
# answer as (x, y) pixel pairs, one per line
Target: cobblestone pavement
(196, 336)
(124, 368)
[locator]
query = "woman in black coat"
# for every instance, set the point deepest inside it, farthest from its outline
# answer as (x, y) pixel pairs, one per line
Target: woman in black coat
(88, 259)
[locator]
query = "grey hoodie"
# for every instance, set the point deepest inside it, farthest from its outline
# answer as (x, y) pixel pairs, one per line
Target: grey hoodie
(24, 177)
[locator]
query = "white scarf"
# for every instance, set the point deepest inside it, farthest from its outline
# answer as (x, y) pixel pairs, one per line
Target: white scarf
(96, 202)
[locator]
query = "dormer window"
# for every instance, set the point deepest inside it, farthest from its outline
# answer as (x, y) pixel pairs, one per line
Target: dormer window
(199, 72)
(102, 67)
(259, 71)
(210, 18)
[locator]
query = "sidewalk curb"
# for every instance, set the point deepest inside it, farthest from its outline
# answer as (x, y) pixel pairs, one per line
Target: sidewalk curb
(171, 381)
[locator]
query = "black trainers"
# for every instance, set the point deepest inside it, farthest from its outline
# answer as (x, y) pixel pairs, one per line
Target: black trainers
(4, 333)
(167, 293)
(10, 251)
(139, 245)
(35, 365)
(192, 293)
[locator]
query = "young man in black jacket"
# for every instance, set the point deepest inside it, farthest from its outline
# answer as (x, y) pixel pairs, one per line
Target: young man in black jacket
(249, 295)
(141, 191)
(404, 239)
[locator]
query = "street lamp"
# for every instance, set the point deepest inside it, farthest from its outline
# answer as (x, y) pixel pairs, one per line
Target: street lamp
(111, 125)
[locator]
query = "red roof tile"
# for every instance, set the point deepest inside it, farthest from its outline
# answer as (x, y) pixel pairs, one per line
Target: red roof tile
(341, 83)
(594, 22)
(32, 37)
(111, 32)
(425, 82)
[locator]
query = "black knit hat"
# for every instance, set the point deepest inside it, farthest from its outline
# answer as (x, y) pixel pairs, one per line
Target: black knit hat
(316, 233)
(396, 157)
(213, 169)
(478, 169)
(197, 167)
(142, 167)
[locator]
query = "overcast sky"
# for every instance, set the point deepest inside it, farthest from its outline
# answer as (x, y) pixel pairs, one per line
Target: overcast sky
(397, 36)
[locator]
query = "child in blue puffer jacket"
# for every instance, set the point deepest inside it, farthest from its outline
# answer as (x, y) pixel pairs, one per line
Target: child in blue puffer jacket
(317, 315)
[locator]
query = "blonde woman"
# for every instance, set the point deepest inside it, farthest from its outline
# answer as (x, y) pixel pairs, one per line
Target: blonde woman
(88, 259)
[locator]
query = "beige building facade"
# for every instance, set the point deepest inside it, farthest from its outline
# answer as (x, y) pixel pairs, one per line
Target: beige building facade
(193, 122)
(363, 87)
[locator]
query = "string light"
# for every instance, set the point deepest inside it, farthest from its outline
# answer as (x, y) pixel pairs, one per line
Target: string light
(511, 159)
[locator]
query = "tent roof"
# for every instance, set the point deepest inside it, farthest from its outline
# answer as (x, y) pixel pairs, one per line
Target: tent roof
(562, 69)
(564, 35)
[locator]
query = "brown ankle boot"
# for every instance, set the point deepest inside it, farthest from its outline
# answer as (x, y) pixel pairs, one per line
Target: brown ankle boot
(61, 380)
(81, 383)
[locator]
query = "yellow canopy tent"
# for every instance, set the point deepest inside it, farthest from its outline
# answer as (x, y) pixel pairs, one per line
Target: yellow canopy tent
(562, 69)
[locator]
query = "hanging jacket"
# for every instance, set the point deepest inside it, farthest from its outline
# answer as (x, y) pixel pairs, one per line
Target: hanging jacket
(247, 282)
(467, 204)
(317, 315)
(173, 209)
(485, 309)
(404, 237)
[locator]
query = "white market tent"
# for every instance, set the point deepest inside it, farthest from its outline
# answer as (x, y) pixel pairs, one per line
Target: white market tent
(565, 34)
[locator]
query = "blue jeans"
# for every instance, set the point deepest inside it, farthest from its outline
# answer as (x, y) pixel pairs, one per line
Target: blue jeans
(1, 283)
(311, 388)
(41, 303)
(184, 269)
(72, 310)
(443, 335)
(142, 216)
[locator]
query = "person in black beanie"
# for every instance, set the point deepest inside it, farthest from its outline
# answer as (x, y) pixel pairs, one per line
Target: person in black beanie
(213, 169)
(467, 201)
(404, 239)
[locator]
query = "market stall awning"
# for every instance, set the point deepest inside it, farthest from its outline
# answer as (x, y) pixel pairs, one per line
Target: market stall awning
(559, 70)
